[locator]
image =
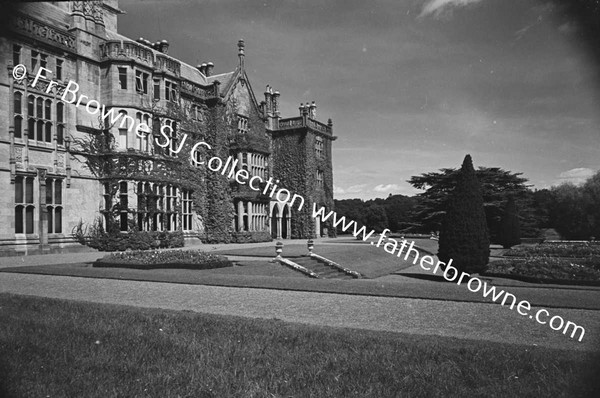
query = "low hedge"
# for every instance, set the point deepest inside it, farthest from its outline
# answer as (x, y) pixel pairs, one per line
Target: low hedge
(152, 259)
(135, 240)
(250, 237)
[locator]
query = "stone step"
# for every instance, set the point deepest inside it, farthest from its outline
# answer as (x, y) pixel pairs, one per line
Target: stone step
(322, 269)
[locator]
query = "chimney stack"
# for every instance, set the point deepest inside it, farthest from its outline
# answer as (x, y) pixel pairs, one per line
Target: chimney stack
(202, 68)
(312, 110)
(268, 100)
(163, 46)
(209, 68)
(276, 104)
(241, 52)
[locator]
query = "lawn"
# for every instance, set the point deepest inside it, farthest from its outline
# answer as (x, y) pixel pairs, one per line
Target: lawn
(61, 348)
(353, 254)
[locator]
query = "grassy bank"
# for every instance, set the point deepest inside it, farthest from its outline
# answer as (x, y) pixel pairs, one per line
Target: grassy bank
(60, 348)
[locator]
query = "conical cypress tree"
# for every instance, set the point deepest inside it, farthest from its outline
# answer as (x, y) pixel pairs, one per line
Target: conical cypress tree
(510, 228)
(464, 235)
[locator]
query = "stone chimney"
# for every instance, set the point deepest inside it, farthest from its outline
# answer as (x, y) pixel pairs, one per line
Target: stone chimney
(209, 68)
(276, 104)
(241, 52)
(312, 111)
(268, 100)
(163, 46)
(202, 68)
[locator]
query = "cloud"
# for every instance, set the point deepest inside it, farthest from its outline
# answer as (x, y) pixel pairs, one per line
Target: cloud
(387, 188)
(576, 176)
(441, 8)
(352, 189)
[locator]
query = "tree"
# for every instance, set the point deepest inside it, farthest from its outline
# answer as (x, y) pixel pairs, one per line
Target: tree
(510, 231)
(591, 198)
(375, 218)
(568, 212)
(496, 186)
(464, 235)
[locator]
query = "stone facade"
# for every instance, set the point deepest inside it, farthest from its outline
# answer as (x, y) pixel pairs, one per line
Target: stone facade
(67, 164)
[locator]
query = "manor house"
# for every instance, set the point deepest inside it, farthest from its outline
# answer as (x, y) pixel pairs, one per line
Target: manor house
(64, 166)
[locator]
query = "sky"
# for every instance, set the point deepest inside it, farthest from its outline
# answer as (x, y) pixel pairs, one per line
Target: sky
(412, 86)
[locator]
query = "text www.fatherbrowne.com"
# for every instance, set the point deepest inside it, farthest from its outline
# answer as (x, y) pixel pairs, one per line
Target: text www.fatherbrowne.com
(451, 274)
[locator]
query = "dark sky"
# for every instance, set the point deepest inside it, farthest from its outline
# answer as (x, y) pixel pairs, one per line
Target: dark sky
(411, 85)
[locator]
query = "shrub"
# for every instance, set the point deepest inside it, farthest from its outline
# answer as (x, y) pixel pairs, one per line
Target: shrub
(556, 250)
(464, 236)
(549, 268)
(510, 232)
(190, 259)
(96, 237)
(250, 237)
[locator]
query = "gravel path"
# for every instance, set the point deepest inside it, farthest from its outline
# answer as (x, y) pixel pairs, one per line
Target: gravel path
(415, 316)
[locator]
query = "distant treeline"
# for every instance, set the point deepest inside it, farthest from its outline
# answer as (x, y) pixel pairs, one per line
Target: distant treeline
(573, 211)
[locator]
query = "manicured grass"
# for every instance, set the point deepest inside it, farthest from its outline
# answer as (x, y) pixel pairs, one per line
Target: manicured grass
(149, 259)
(60, 348)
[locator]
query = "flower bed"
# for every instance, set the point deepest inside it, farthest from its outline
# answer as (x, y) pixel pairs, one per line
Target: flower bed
(187, 259)
(571, 250)
(549, 269)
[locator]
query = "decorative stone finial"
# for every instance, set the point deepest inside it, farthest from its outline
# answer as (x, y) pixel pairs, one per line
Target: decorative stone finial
(241, 47)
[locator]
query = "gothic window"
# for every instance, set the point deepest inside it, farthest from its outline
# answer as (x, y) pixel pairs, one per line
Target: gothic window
(245, 161)
(156, 89)
(170, 91)
(42, 59)
(242, 124)
(320, 178)
(123, 78)
(18, 114)
(34, 59)
(123, 132)
(258, 164)
(196, 112)
(54, 205)
(171, 208)
(60, 122)
(141, 82)
(16, 54)
(142, 142)
(59, 69)
(186, 210)
(172, 133)
(39, 122)
(24, 205)
(319, 147)
(123, 206)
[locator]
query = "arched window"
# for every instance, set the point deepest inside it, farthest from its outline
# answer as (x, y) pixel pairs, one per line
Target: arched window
(17, 102)
(48, 110)
(30, 106)
(31, 128)
(48, 136)
(24, 208)
(60, 110)
(39, 107)
(40, 131)
(53, 202)
(18, 127)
